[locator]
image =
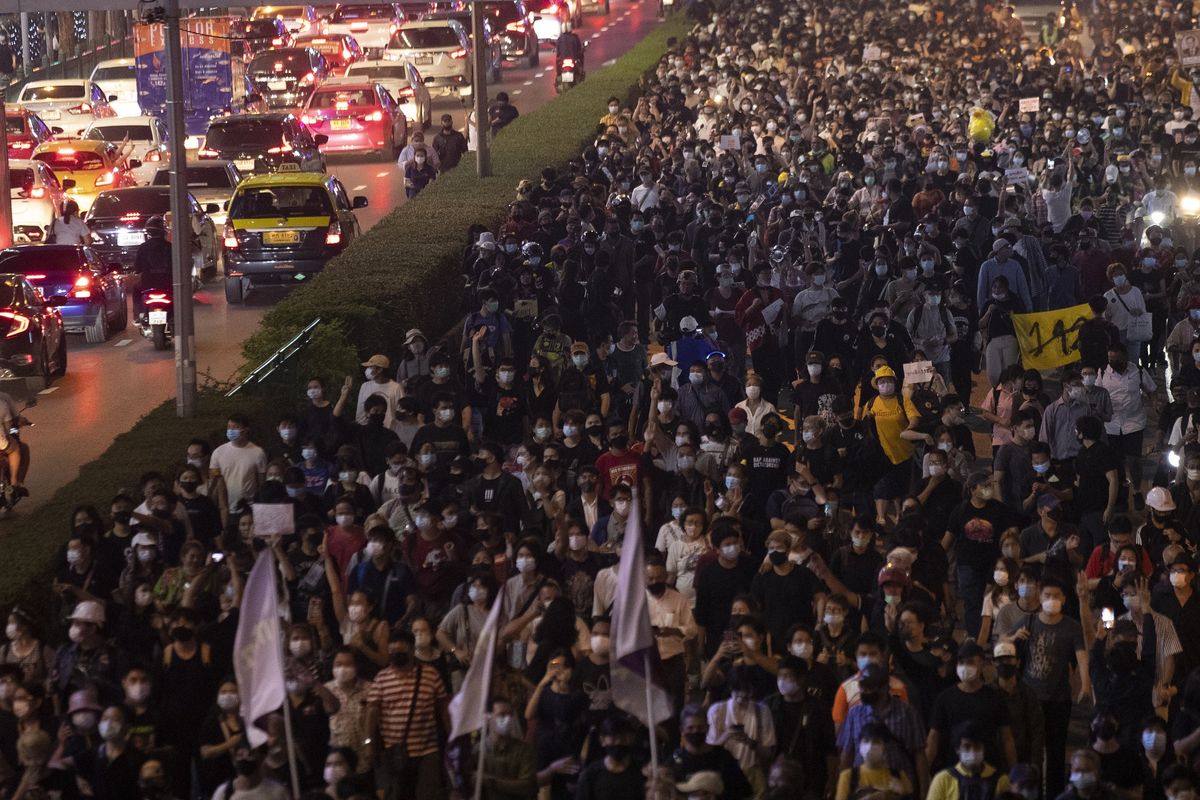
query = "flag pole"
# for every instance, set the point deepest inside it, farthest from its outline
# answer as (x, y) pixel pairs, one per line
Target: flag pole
(482, 752)
(650, 717)
(287, 701)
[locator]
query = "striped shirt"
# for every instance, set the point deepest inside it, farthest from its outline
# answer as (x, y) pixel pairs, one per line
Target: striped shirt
(392, 694)
(907, 733)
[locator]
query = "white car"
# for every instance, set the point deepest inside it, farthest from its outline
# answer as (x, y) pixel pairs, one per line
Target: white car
(119, 76)
(210, 181)
(371, 26)
(70, 104)
(297, 19)
(440, 49)
(403, 82)
(37, 198)
(145, 138)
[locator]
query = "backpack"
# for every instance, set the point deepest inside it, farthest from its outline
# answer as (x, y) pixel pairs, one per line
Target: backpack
(926, 401)
(942, 315)
(971, 787)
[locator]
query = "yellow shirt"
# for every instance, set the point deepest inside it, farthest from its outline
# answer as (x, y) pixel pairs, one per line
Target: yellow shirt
(944, 785)
(882, 779)
(890, 420)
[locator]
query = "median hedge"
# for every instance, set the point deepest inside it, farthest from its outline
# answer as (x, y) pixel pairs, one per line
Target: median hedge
(403, 273)
(406, 271)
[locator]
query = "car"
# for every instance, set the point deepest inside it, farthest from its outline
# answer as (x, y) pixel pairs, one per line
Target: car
(143, 138)
(340, 50)
(37, 198)
(118, 76)
(440, 48)
(25, 131)
(513, 24)
(88, 294)
(257, 35)
(284, 77)
(463, 18)
(210, 182)
(34, 343)
(403, 82)
(262, 143)
(371, 25)
(297, 19)
(282, 229)
(552, 19)
(93, 166)
(118, 222)
(356, 115)
(72, 103)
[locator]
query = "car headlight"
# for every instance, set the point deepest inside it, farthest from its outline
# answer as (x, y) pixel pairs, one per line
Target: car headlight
(1190, 204)
(1157, 217)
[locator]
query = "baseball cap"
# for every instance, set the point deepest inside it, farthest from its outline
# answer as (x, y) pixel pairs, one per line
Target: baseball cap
(579, 347)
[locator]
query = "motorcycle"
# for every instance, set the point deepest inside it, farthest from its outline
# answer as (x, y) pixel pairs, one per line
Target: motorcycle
(10, 495)
(157, 323)
(567, 75)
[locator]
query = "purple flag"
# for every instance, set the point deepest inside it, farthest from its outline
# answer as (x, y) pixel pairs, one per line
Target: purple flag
(257, 653)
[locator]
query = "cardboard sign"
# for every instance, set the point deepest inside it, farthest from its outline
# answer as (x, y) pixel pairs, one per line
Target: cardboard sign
(273, 518)
(916, 119)
(1016, 175)
(730, 142)
(872, 53)
(1029, 105)
(1188, 43)
(918, 372)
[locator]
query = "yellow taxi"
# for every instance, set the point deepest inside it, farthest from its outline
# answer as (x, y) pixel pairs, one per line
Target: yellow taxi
(92, 167)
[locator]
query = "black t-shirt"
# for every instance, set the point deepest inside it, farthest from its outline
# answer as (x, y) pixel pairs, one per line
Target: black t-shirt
(977, 532)
(504, 412)
(597, 783)
(583, 454)
(823, 461)
(716, 587)
(987, 707)
(767, 468)
(448, 442)
(429, 390)
(717, 759)
(942, 501)
(857, 571)
(785, 600)
(1091, 466)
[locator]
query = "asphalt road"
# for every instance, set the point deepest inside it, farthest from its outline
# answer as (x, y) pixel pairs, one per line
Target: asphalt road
(109, 386)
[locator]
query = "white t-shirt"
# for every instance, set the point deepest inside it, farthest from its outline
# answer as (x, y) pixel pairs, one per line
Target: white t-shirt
(73, 232)
(241, 467)
(267, 790)
(390, 391)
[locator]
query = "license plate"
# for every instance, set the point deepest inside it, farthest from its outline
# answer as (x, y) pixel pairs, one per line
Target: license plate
(339, 124)
(50, 113)
(289, 166)
(568, 77)
(277, 86)
(281, 237)
(423, 60)
(158, 318)
(244, 164)
(130, 238)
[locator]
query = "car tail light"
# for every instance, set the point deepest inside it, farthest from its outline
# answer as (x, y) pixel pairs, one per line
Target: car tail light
(359, 27)
(374, 116)
(334, 234)
(406, 93)
(18, 323)
(568, 63)
(206, 152)
(283, 148)
(107, 178)
(37, 192)
(515, 27)
(459, 53)
(230, 236)
(319, 40)
(67, 151)
(82, 108)
(276, 43)
(82, 288)
(154, 155)
(131, 216)
(36, 276)
(157, 299)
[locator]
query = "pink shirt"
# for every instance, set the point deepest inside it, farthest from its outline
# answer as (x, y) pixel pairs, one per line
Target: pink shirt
(1001, 407)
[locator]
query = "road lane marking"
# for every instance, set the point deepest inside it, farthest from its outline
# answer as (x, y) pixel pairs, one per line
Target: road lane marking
(360, 187)
(123, 343)
(609, 63)
(539, 74)
(527, 83)
(516, 91)
(49, 390)
(382, 174)
(595, 36)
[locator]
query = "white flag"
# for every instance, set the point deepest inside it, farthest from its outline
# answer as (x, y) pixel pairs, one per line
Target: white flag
(468, 709)
(632, 638)
(257, 653)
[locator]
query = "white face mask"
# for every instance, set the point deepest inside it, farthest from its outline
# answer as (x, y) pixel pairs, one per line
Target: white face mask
(344, 675)
(730, 552)
(525, 564)
(577, 542)
(228, 701)
(477, 594)
(967, 672)
(345, 520)
(801, 650)
(600, 645)
(357, 612)
(1052, 605)
(300, 647)
(1000, 577)
(504, 724)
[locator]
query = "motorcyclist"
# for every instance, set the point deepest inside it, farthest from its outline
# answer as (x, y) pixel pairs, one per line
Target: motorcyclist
(152, 262)
(569, 45)
(10, 446)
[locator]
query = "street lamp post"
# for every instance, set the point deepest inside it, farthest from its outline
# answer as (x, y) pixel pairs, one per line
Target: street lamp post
(483, 154)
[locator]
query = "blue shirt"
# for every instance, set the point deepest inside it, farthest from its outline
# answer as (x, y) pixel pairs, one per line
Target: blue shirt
(908, 732)
(389, 590)
(1011, 270)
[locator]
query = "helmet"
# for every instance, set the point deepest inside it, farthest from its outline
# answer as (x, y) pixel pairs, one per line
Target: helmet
(531, 249)
(1160, 500)
(590, 236)
(155, 226)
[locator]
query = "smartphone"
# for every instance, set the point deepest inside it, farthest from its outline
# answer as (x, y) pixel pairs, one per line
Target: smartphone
(217, 558)
(1107, 617)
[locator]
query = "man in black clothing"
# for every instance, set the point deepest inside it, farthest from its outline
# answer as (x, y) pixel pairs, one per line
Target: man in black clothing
(970, 700)
(804, 728)
(372, 438)
(695, 754)
(444, 433)
(152, 262)
(501, 112)
(8, 60)
(449, 144)
(615, 775)
(719, 581)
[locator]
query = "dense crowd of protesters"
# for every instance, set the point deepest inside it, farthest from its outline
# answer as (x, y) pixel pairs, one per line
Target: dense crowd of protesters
(713, 309)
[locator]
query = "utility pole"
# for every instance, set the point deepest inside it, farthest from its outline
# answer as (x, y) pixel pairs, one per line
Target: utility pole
(181, 222)
(25, 65)
(480, 52)
(6, 218)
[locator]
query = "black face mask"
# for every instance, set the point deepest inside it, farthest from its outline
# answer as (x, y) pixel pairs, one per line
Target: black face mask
(153, 788)
(1006, 671)
(713, 431)
(401, 659)
(375, 419)
(188, 486)
(778, 557)
(695, 739)
(617, 752)
(620, 442)
(594, 430)
(658, 589)
(245, 766)
(878, 331)
(181, 633)
(122, 517)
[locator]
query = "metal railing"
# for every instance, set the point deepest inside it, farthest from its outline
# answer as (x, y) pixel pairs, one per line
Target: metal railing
(259, 374)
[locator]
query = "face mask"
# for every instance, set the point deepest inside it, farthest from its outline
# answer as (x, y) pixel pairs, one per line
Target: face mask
(441, 372)
(139, 692)
(886, 388)
(1083, 780)
(145, 554)
(1154, 741)
(232, 434)
(228, 701)
(300, 647)
(1000, 577)
(967, 672)
(753, 392)
(1119, 280)
(525, 564)
(345, 520)
(1051, 605)
(600, 645)
(787, 686)
(445, 414)
(971, 758)
(577, 542)
(802, 650)
(84, 720)
(1179, 579)
(75, 633)
(730, 552)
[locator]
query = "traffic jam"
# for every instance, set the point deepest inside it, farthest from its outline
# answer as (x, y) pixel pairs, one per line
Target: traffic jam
(271, 98)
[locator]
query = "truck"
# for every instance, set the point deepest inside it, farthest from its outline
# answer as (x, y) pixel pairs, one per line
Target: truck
(213, 69)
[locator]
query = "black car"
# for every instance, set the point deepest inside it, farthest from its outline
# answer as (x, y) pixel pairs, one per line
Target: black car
(118, 221)
(34, 342)
(285, 77)
(89, 294)
(257, 35)
(513, 25)
(263, 143)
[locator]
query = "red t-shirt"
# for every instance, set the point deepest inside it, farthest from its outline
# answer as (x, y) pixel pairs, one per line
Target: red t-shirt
(618, 469)
(342, 544)
(438, 564)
